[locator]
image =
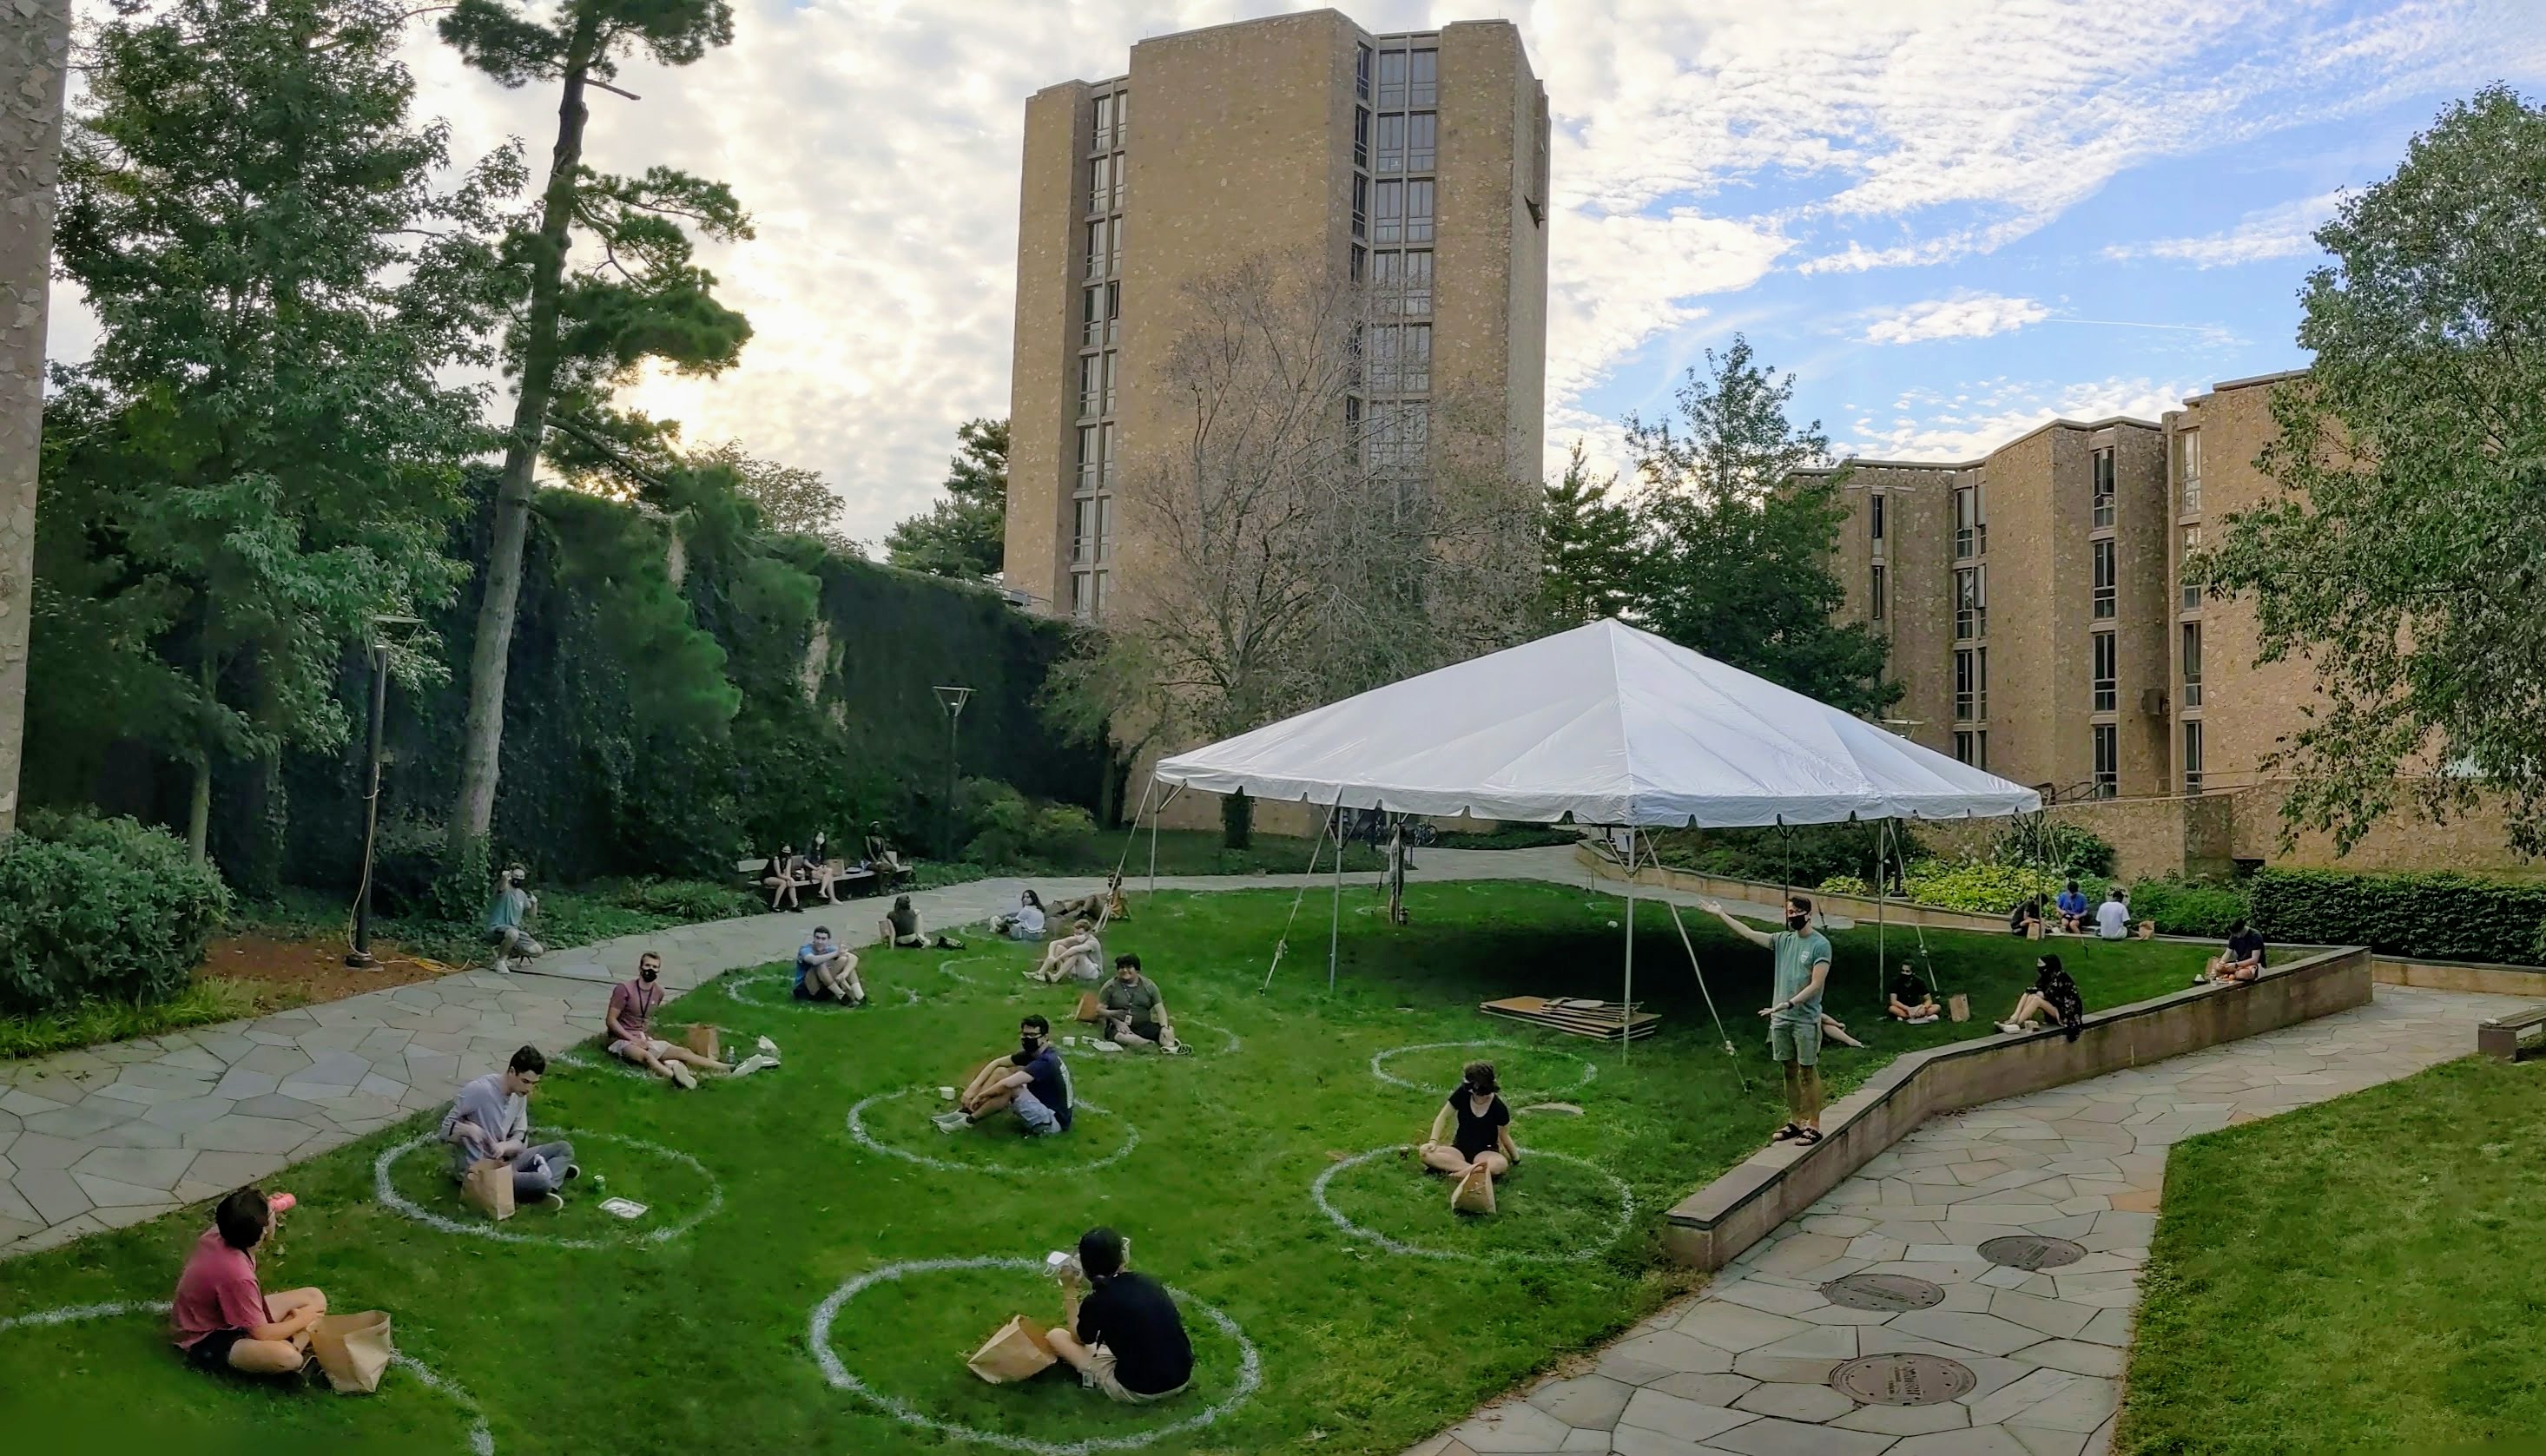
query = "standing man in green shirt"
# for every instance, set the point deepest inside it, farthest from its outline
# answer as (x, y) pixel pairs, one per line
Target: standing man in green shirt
(1795, 1022)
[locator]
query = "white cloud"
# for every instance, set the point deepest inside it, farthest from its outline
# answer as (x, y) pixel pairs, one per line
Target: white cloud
(1966, 316)
(1932, 425)
(2284, 231)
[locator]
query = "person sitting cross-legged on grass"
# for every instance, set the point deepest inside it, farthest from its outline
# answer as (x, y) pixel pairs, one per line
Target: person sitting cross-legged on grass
(1910, 999)
(222, 1319)
(825, 972)
(492, 1118)
(1803, 961)
(2054, 997)
(901, 925)
(1135, 1011)
(1126, 1337)
(2071, 905)
(1481, 1148)
(631, 1024)
(1077, 956)
(1031, 1082)
(2240, 963)
(1025, 923)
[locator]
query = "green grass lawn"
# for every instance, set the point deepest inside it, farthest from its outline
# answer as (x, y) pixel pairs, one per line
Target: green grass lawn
(698, 1340)
(2360, 1275)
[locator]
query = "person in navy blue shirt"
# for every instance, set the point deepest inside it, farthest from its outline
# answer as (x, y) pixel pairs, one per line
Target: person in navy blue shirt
(1031, 1082)
(2073, 910)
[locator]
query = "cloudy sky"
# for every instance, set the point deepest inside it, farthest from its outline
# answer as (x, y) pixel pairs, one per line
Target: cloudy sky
(1950, 218)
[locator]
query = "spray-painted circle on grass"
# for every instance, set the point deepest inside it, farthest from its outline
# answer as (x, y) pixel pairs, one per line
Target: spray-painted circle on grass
(1379, 1067)
(1616, 1231)
(1250, 1366)
(480, 1439)
(1077, 1105)
(1234, 1045)
(399, 1203)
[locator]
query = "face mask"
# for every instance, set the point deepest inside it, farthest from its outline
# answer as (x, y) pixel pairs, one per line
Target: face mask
(1029, 1044)
(650, 973)
(1798, 922)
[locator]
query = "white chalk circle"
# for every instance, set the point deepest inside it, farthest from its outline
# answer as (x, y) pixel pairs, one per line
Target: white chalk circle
(1077, 1105)
(1234, 1045)
(1250, 1365)
(1617, 1230)
(1379, 1067)
(399, 1203)
(480, 1439)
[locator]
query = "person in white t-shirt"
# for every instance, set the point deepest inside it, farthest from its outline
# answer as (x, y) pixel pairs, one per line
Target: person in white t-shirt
(1025, 923)
(2112, 917)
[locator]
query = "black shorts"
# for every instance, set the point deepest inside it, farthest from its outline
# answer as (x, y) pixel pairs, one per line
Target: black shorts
(213, 1351)
(1148, 1031)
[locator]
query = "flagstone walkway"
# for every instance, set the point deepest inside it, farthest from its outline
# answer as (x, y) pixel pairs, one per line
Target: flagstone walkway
(114, 1135)
(1746, 1366)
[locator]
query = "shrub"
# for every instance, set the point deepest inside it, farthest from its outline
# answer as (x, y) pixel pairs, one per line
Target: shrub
(686, 901)
(416, 874)
(2071, 848)
(1981, 886)
(1843, 885)
(1803, 854)
(998, 825)
(100, 909)
(2445, 917)
(2188, 907)
(1063, 834)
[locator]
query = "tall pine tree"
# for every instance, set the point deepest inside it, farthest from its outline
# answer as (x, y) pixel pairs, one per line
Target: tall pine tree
(1587, 541)
(966, 534)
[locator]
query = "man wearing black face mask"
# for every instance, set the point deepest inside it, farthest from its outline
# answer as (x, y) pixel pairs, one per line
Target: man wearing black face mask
(1032, 1081)
(1795, 1022)
(631, 1023)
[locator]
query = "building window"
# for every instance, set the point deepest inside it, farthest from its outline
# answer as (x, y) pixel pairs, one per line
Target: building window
(1095, 251)
(2192, 755)
(1100, 184)
(1091, 385)
(1971, 603)
(1361, 72)
(1392, 144)
(1361, 207)
(1087, 595)
(2107, 674)
(1361, 137)
(1415, 361)
(1353, 420)
(2108, 761)
(1360, 263)
(1400, 438)
(1418, 212)
(1113, 369)
(1971, 525)
(1388, 214)
(2103, 515)
(2105, 580)
(1091, 458)
(1392, 80)
(1875, 513)
(1114, 247)
(1107, 432)
(1121, 118)
(1082, 532)
(1876, 591)
(1383, 361)
(1971, 683)
(1417, 298)
(2192, 664)
(1091, 317)
(1103, 125)
(1424, 88)
(1422, 130)
(2188, 449)
(2183, 566)
(1972, 746)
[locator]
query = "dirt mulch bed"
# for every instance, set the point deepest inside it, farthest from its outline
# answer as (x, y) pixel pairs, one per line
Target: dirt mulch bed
(296, 973)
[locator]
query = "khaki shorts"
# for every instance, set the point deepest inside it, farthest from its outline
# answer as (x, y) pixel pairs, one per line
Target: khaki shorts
(1799, 1042)
(1100, 1375)
(626, 1051)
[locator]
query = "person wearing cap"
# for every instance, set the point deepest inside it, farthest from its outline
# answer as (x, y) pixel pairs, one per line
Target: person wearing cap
(827, 971)
(219, 1317)
(507, 919)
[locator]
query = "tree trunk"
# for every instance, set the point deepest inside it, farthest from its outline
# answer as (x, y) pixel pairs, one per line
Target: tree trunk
(1236, 821)
(34, 63)
(482, 746)
(198, 809)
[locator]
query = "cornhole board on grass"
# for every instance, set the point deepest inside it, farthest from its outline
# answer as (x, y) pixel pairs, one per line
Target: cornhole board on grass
(1605, 1021)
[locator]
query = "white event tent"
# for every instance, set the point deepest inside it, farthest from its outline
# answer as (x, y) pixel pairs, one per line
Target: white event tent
(1601, 726)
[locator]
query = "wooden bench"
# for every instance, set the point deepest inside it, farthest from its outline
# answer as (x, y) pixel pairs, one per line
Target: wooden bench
(2500, 1038)
(847, 880)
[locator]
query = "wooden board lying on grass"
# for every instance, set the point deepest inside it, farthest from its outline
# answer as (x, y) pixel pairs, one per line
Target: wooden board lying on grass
(1605, 1021)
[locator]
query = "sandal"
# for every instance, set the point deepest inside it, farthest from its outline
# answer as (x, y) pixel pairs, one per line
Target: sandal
(1789, 1132)
(1807, 1136)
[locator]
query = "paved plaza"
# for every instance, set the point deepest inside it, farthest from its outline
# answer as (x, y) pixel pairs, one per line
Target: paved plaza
(1746, 1366)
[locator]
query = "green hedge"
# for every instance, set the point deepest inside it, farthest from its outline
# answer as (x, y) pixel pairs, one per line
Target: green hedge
(2444, 917)
(2188, 907)
(100, 909)
(1982, 887)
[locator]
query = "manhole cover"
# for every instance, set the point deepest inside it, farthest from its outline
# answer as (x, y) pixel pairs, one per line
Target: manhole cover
(1903, 1380)
(1892, 1292)
(2030, 1251)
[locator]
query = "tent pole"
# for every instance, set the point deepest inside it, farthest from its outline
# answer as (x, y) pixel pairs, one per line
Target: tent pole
(1335, 914)
(1153, 835)
(1690, 946)
(1882, 904)
(1627, 1012)
(1317, 846)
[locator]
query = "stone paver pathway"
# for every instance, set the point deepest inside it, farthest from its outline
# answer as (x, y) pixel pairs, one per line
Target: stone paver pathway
(1744, 1366)
(114, 1135)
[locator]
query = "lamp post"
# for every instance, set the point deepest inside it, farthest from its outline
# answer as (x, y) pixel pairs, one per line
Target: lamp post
(952, 700)
(359, 956)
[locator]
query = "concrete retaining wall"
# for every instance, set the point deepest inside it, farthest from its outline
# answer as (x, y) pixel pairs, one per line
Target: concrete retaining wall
(2467, 975)
(1713, 1225)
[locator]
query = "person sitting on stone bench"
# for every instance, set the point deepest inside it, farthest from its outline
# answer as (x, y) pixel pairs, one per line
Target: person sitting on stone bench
(779, 876)
(220, 1319)
(492, 1118)
(1910, 999)
(2240, 963)
(2054, 997)
(883, 858)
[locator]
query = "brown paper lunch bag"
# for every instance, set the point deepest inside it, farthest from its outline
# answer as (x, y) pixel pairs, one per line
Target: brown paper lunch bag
(353, 1350)
(1020, 1351)
(1089, 1009)
(488, 1188)
(702, 1040)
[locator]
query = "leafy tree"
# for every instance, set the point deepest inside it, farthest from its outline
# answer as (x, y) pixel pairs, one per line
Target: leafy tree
(964, 536)
(35, 54)
(2406, 553)
(261, 457)
(1588, 548)
(792, 500)
(1737, 546)
(583, 329)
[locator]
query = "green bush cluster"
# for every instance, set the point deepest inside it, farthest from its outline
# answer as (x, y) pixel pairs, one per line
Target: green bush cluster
(687, 901)
(1798, 854)
(2445, 917)
(100, 909)
(2071, 848)
(1001, 826)
(1986, 886)
(1844, 885)
(2188, 907)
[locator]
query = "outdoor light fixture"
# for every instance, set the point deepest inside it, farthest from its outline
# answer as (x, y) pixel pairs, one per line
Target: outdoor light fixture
(954, 699)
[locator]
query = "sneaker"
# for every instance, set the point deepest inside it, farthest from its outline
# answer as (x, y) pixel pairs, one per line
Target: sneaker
(573, 1170)
(682, 1077)
(769, 1049)
(749, 1065)
(2009, 1027)
(552, 1202)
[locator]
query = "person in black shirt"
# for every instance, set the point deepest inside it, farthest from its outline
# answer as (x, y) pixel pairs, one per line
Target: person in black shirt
(1910, 999)
(1125, 1339)
(1481, 1149)
(2054, 995)
(2240, 963)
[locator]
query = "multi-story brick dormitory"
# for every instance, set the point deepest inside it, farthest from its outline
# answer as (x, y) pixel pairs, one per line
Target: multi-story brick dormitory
(2041, 627)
